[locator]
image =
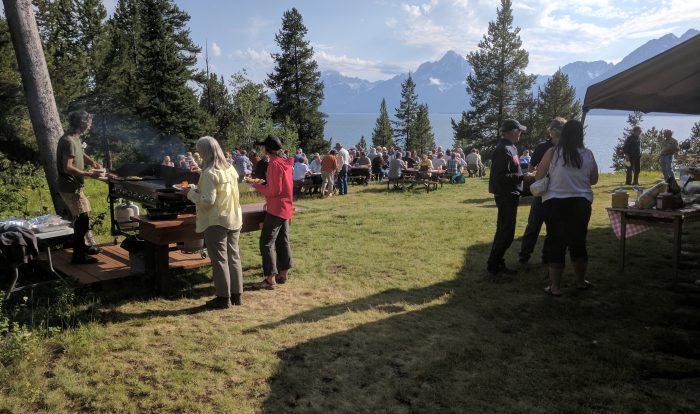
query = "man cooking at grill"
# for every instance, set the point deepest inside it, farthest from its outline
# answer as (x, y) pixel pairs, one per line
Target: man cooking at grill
(70, 161)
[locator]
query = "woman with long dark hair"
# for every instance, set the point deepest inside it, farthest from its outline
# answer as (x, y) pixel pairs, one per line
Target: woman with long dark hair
(566, 205)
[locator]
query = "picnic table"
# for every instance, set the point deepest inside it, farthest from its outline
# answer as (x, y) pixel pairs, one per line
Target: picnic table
(360, 175)
(411, 176)
(640, 220)
(159, 234)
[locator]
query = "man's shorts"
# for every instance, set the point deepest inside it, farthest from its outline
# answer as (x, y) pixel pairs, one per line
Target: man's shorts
(77, 203)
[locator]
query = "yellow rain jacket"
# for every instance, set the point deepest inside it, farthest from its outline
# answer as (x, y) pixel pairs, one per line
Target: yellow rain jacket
(217, 199)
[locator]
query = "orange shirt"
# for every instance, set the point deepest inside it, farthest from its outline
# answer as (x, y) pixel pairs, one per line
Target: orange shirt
(329, 164)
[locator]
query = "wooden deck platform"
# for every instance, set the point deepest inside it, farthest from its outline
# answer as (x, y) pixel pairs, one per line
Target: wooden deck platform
(113, 263)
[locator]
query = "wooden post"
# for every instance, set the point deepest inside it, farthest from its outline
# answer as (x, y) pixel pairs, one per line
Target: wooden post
(37, 89)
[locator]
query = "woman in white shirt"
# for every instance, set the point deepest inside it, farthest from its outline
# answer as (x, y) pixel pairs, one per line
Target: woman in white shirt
(220, 218)
(301, 169)
(315, 165)
(566, 205)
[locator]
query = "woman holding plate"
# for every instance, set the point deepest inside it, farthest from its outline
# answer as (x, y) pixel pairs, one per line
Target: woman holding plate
(219, 217)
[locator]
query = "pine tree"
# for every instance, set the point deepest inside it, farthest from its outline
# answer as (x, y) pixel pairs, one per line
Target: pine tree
(499, 85)
(691, 145)
(423, 138)
(165, 65)
(91, 18)
(382, 135)
(406, 113)
(252, 116)
(464, 131)
(296, 83)
(362, 144)
(558, 98)
(217, 102)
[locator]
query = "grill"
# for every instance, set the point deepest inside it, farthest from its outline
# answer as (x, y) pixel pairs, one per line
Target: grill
(152, 189)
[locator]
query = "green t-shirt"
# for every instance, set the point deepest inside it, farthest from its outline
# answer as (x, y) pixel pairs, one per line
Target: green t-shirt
(70, 147)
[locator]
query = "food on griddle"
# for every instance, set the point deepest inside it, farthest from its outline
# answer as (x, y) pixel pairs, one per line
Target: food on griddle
(133, 177)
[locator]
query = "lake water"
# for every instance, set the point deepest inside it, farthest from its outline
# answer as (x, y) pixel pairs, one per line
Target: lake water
(602, 131)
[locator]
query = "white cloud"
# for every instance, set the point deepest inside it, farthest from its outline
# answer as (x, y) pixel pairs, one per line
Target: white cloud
(435, 81)
(391, 22)
(352, 66)
(256, 57)
(215, 49)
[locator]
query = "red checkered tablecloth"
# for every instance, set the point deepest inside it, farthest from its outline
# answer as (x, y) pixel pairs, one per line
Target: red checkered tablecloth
(631, 230)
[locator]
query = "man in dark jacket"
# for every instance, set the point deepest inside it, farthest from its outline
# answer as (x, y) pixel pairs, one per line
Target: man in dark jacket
(505, 183)
(633, 155)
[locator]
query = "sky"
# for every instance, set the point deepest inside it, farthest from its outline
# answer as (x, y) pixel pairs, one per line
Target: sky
(378, 39)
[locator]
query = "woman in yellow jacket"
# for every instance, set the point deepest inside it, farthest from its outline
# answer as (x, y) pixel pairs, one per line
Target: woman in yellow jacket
(219, 218)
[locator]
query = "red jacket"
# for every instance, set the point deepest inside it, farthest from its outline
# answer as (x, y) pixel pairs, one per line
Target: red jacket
(279, 188)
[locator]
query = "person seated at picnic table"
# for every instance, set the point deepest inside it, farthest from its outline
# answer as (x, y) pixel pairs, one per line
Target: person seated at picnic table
(439, 163)
(167, 162)
(372, 153)
(454, 168)
(315, 165)
(409, 160)
(182, 162)
(220, 218)
(396, 167)
(301, 170)
(329, 167)
(524, 159)
(378, 167)
(425, 166)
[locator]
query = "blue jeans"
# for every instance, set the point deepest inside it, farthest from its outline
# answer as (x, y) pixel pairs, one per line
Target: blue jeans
(665, 163)
(343, 180)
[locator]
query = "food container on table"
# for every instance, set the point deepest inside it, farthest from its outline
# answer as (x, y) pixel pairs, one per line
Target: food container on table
(620, 198)
(648, 198)
(664, 201)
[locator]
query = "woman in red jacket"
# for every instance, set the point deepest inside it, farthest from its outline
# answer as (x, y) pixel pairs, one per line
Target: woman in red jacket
(274, 239)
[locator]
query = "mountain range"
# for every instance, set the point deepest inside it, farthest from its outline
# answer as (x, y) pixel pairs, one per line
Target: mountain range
(442, 84)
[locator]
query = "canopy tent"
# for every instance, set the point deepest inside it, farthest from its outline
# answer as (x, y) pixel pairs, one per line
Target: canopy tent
(668, 82)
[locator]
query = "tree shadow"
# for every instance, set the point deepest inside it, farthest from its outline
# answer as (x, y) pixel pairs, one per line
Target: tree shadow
(468, 345)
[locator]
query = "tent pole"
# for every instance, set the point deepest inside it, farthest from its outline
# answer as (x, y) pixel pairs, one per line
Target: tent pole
(583, 117)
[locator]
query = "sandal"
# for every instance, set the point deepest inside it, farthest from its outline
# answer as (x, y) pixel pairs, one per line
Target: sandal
(548, 290)
(586, 285)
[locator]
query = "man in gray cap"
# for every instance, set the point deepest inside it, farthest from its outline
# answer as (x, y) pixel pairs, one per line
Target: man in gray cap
(505, 183)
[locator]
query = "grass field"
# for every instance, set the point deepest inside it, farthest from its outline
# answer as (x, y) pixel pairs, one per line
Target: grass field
(388, 311)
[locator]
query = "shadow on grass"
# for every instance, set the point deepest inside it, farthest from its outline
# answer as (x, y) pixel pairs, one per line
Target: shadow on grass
(475, 346)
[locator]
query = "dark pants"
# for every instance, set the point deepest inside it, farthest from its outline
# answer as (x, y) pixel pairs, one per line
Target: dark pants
(343, 180)
(635, 166)
(567, 226)
(275, 249)
(80, 229)
(505, 230)
(532, 231)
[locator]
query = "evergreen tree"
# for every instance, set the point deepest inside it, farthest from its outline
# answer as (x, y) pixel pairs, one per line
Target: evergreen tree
(252, 115)
(558, 98)
(406, 113)
(91, 18)
(382, 135)
(464, 131)
(691, 145)
(423, 138)
(362, 144)
(165, 63)
(296, 83)
(66, 56)
(652, 141)
(216, 101)
(499, 85)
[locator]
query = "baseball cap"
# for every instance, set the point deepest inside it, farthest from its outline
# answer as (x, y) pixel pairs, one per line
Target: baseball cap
(511, 124)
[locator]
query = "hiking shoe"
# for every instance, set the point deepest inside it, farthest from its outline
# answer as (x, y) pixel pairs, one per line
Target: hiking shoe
(218, 303)
(236, 299)
(508, 272)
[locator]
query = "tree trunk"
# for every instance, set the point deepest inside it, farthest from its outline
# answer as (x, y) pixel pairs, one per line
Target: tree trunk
(37, 89)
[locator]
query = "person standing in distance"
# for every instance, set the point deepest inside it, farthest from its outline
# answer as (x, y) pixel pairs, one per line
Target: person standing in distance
(669, 148)
(632, 148)
(344, 165)
(505, 183)
(70, 162)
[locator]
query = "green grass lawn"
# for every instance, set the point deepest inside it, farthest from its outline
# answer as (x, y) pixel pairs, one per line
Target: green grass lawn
(387, 310)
